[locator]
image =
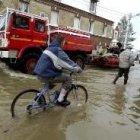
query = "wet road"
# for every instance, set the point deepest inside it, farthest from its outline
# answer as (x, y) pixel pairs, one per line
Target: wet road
(112, 112)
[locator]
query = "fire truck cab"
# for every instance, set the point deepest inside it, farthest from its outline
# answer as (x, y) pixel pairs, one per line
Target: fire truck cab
(24, 36)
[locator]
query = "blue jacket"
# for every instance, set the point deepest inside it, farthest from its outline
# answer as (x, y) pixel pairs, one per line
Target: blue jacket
(52, 62)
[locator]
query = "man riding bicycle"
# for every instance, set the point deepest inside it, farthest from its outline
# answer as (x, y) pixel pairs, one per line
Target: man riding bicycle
(50, 67)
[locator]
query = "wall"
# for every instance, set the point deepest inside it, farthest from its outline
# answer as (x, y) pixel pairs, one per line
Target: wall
(80, 4)
(36, 8)
(98, 28)
(66, 17)
(84, 23)
(9, 3)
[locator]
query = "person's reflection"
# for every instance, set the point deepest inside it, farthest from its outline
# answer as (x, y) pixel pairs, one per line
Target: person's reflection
(119, 99)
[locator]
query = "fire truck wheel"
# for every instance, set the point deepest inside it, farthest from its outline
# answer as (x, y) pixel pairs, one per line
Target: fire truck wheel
(80, 61)
(29, 63)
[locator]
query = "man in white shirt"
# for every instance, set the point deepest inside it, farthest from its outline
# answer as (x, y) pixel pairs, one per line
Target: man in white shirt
(126, 60)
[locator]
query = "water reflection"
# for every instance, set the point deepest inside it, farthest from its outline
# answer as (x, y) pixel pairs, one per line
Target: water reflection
(112, 112)
(50, 124)
(118, 99)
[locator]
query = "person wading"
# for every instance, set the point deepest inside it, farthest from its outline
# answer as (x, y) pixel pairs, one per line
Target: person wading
(126, 60)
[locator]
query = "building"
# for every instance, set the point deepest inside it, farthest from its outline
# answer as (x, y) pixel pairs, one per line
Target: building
(116, 33)
(77, 14)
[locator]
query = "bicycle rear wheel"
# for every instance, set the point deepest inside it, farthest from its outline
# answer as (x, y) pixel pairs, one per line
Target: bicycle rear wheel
(77, 95)
(24, 103)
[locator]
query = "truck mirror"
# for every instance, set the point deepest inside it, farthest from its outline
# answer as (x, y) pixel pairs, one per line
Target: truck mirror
(14, 14)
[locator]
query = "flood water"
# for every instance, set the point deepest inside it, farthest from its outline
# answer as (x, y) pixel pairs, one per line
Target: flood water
(112, 111)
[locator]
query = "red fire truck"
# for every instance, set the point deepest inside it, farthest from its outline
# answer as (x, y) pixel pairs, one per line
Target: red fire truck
(24, 36)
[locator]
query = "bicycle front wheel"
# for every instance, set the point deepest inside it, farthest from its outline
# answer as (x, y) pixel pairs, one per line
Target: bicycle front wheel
(23, 103)
(77, 95)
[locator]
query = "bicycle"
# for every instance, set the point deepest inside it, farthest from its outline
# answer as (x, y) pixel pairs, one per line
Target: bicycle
(31, 100)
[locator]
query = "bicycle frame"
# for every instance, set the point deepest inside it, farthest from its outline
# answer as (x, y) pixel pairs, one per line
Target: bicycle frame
(46, 90)
(38, 101)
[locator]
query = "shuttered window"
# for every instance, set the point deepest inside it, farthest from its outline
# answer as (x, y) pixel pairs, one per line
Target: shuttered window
(77, 23)
(54, 18)
(91, 28)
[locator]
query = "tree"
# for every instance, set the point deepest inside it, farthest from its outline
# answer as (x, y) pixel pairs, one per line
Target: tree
(122, 25)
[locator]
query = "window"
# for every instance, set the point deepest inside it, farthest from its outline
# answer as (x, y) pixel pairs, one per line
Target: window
(91, 27)
(54, 18)
(77, 23)
(21, 22)
(23, 6)
(93, 4)
(39, 26)
(105, 29)
(2, 22)
(115, 35)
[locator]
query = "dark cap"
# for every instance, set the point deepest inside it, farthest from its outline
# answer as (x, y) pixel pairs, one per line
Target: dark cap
(119, 44)
(59, 38)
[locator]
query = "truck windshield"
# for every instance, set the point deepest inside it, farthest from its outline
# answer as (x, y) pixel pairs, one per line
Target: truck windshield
(2, 22)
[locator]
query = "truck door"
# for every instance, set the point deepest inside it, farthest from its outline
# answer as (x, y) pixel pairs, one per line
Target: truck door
(39, 32)
(21, 35)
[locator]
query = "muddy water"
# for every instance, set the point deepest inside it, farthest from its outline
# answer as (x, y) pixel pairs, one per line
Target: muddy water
(112, 112)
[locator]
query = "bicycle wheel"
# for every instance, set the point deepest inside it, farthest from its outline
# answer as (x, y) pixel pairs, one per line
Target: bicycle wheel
(77, 95)
(24, 103)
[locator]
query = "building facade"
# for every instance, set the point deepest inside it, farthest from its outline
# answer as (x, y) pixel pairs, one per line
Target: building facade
(77, 14)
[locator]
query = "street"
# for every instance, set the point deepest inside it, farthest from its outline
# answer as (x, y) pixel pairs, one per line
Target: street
(112, 111)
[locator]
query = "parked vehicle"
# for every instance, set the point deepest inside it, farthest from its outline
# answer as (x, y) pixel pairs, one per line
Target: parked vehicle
(24, 36)
(110, 61)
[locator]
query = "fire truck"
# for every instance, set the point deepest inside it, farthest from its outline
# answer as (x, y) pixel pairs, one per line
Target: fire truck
(24, 36)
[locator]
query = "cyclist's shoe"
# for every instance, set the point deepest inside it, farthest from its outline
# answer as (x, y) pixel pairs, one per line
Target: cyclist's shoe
(64, 103)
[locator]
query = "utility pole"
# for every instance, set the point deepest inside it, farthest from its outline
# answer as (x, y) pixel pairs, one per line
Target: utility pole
(127, 28)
